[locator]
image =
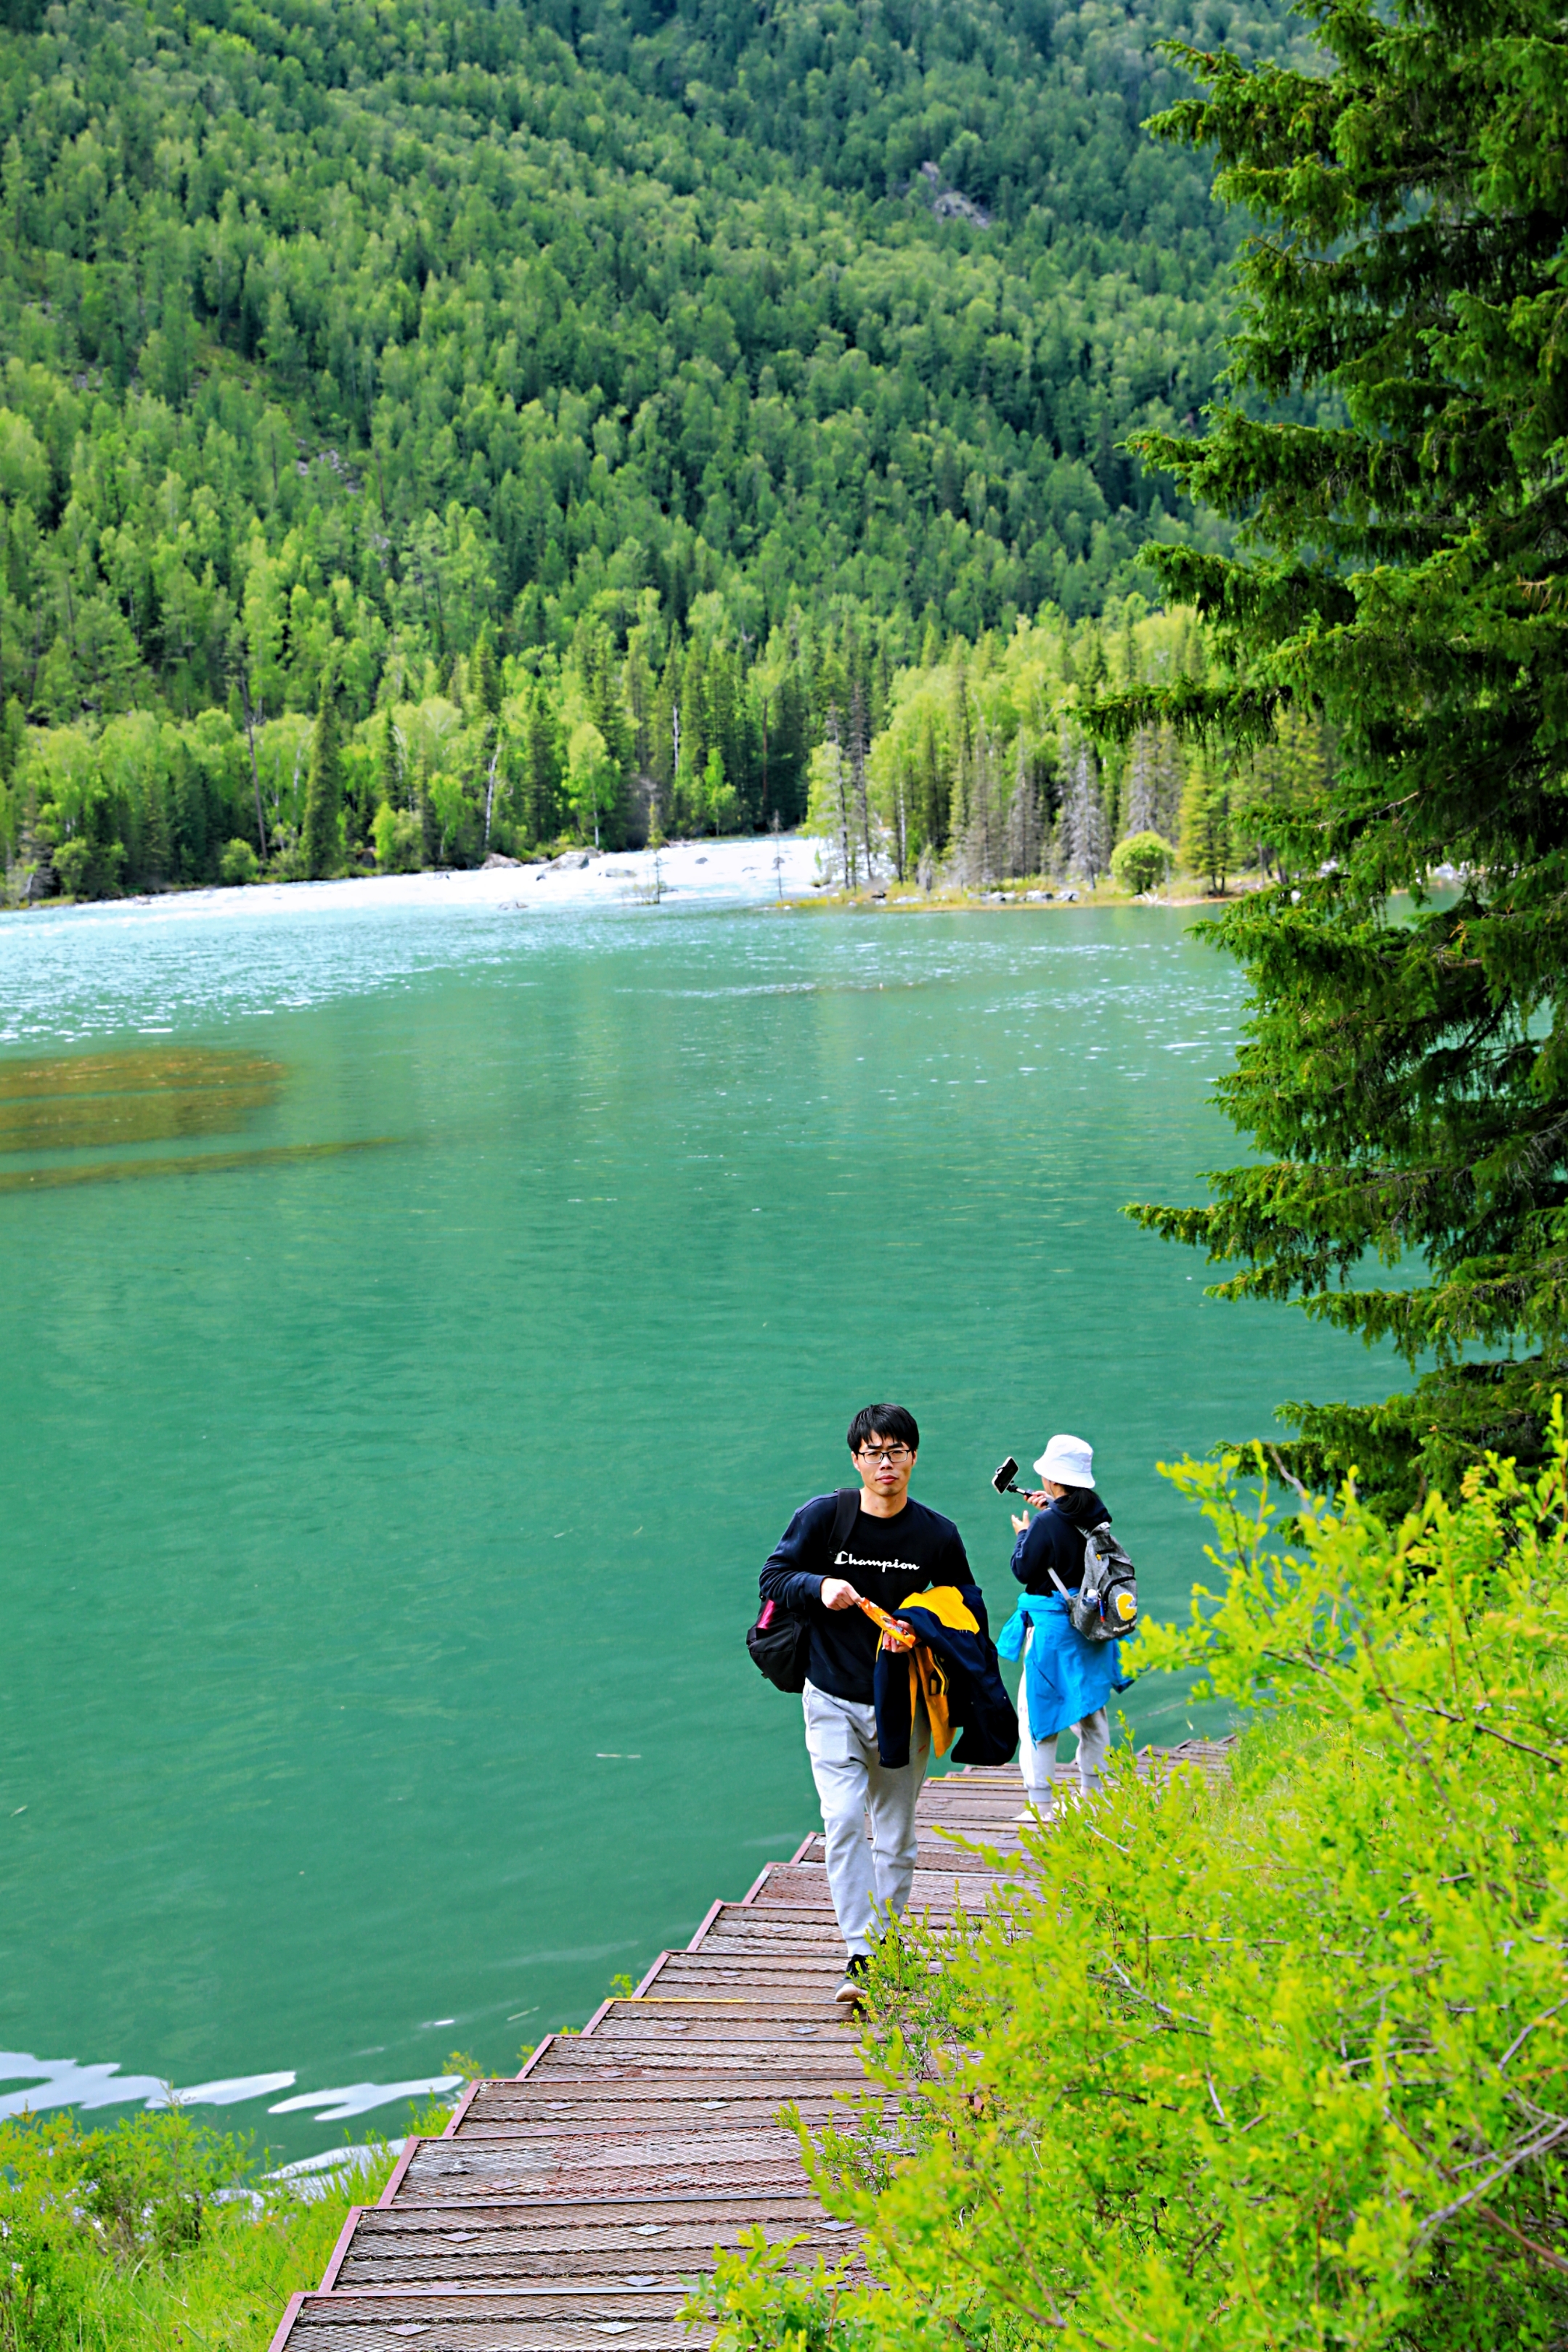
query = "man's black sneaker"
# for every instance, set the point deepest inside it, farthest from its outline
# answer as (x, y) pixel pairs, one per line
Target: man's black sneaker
(850, 1991)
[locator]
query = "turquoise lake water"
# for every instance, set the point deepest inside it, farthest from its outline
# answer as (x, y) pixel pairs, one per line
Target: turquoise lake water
(382, 1528)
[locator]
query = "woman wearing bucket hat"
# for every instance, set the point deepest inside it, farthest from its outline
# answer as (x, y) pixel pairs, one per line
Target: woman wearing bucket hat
(1068, 1682)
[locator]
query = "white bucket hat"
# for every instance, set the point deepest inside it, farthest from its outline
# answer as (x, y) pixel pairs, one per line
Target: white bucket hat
(1067, 1462)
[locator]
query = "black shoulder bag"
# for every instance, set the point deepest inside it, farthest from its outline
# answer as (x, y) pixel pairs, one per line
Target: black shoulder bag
(780, 1641)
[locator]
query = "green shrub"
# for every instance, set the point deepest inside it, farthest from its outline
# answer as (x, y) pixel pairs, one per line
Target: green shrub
(1141, 862)
(238, 863)
(399, 839)
(1283, 2064)
(152, 2233)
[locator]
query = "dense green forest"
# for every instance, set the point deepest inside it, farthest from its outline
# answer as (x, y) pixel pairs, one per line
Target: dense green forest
(578, 401)
(985, 759)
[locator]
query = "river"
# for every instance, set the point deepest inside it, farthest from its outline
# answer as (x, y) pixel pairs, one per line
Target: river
(384, 1499)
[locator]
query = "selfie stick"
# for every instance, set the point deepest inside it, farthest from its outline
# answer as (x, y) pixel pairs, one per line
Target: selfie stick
(1002, 1476)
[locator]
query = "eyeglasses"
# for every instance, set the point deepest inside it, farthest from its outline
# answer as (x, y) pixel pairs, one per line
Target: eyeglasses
(883, 1454)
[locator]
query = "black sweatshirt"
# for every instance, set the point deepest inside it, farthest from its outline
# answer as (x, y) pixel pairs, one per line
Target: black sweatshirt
(1055, 1539)
(885, 1560)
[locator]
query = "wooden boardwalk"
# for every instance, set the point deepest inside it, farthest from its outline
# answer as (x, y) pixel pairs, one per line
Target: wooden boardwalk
(563, 2207)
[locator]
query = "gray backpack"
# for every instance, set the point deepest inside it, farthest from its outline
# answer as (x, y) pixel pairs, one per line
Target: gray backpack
(1105, 1606)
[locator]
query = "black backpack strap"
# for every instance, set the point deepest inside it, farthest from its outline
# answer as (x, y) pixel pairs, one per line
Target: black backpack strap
(846, 1511)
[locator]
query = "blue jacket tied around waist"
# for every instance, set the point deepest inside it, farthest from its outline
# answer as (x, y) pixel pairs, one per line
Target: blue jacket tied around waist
(1066, 1678)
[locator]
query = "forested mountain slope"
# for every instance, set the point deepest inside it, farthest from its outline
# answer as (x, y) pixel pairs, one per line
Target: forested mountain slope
(352, 329)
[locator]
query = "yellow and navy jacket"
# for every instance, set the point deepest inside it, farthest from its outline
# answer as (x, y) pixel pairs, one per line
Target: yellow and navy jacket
(953, 1669)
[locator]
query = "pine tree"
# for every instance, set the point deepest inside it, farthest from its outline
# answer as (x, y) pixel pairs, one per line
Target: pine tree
(541, 768)
(484, 672)
(322, 836)
(389, 763)
(1404, 1084)
(157, 848)
(1085, 849)
(1169, 783)
(933, 787)
(858, 775)
(1023, 815)
(841, 797)
(1140, 807)
(981, 860)
(1208, 834)
(430, 835)
(960, 782)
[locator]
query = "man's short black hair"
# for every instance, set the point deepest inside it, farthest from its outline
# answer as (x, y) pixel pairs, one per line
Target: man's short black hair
(889, 1420)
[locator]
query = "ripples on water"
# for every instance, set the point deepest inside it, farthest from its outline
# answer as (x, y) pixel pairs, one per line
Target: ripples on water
(386, 1505)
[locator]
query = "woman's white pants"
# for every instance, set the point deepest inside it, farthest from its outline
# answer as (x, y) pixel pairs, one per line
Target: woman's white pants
(1038, 1756)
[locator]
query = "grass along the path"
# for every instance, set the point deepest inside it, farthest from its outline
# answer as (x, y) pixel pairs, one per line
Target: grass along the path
(154, 2235)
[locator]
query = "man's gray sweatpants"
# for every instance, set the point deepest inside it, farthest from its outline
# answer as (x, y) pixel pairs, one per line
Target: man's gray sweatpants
(867, 1877)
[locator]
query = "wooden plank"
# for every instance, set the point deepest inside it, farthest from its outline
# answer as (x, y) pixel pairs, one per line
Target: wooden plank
(785, 1983)
(996, 1808)
(798, 1899)
(675, 2025)
(698, 2076)
(821, 1962)
(639, 2243)
(720, 2072)
(656, 2108)
(513, 2320)
(959, 1792)
(696, 2207)
(805, 1923)
(935, 1852)
(713, 2015)
(626, 2061)
(610, 2164)
(642, 2058)
(809, 1885)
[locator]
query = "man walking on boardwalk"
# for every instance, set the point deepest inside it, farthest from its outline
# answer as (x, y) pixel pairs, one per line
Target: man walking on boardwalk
(892, 1546)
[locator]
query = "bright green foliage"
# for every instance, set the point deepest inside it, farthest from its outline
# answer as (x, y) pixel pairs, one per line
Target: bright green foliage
(1279, 2068)
(440, 333)
(150, 2234)
(237, 862)
(1141, 862)
(399, 840)
(1404, 1083)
